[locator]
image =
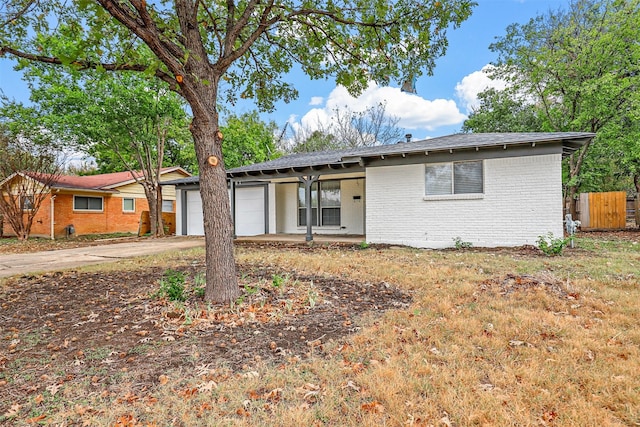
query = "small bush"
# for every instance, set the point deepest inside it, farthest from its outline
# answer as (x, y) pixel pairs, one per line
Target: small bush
(364, 244)
(551, 245)
(277, 281)
(172, 286)
(461, 244)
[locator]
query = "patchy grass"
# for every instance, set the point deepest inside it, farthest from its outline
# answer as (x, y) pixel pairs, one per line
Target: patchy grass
(11, 245)
(490, 337)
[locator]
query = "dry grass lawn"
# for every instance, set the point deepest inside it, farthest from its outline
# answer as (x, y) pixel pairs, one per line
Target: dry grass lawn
(491, 338)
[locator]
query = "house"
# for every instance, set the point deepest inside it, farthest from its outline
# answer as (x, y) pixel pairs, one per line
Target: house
(501, 189)
(94, 204)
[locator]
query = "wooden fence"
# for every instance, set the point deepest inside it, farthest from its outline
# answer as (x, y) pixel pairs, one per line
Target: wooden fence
(603, 211)
(168, 218)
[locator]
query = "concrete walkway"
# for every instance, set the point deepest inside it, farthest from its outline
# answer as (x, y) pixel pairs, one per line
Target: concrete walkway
(38, 262)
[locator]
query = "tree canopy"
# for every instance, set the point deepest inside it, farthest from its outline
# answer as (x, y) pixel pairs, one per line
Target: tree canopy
(213, 52)
(247, 140)
(574, 69)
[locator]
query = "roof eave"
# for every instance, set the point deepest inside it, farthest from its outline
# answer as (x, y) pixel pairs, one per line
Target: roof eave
(83, 190)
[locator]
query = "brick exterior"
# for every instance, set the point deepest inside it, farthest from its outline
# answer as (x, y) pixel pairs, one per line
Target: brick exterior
(110, 220)
(522, 200)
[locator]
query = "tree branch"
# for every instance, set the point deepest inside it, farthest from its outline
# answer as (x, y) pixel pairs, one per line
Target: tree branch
(336, 18)
(88, 65)
(18, 13)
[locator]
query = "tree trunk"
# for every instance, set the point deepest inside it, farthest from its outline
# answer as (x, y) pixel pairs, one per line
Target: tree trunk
(575, 167)
(222, 283)
(152, 201)
(159, 222)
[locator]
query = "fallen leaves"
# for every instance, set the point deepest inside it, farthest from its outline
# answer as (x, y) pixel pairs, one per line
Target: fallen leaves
(36, 419)
(373, 407)
(13, 411)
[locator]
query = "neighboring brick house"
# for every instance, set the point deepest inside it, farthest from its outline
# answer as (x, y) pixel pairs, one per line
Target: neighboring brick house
(494, 189)
(96, 204)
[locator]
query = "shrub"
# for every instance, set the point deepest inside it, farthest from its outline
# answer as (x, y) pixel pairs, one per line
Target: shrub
(172, 286)
(461, 244)
(551, 245)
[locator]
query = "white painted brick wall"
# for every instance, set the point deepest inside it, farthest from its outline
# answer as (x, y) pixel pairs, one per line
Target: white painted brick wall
(522, 200)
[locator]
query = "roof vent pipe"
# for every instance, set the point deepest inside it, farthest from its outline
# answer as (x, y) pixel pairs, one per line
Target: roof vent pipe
(408, 136)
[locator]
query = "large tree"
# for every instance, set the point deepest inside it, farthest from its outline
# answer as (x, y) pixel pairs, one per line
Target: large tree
(578, 68)
(126, 122)
(218, 51)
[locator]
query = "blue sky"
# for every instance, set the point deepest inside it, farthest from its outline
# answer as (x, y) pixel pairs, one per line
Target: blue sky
(442, 100)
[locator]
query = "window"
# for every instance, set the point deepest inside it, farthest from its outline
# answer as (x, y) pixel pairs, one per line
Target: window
(128, 205)
(167, 205)
(325, 195)
(82, 203)
(454, 178)
(26, 203)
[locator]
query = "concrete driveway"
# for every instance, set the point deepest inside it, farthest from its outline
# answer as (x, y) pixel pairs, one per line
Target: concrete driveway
(39, 262)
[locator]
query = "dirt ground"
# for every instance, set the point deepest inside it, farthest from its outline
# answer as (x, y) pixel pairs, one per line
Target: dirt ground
(92, 327)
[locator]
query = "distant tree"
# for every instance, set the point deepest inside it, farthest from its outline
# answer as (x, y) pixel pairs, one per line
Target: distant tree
(247, 140)
(579, 68)
(27, 171)
(373, 126)
(348, 129)
(311, 141)
(503, 111)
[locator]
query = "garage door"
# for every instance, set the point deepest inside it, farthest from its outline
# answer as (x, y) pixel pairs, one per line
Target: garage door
(195, 222)
(250, 211)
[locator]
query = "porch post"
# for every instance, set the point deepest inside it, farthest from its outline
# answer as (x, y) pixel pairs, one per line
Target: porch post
(308, 182)
(233, 205)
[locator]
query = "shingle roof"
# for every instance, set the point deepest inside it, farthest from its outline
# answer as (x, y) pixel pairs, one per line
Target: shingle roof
(464, 141)
(443, 143)
(101, 182)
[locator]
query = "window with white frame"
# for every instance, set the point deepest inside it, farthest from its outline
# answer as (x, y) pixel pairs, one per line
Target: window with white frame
(325, 195)
(167, 205)
(454, 178)
(128, 204)
(84, 203)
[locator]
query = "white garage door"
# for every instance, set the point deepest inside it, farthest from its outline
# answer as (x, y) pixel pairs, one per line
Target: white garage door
(250, 211)
(195, 222)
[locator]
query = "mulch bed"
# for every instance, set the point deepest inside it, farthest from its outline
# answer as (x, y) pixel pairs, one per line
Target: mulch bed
(72, 326)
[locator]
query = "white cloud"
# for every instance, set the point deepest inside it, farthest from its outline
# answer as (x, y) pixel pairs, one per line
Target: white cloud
(468, 88)
(413, 111)
(316, 100)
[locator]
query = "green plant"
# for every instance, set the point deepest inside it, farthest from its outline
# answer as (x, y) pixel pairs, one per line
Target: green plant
(312, 296)
(277, 281)
(172, 286)
(551, 245)
(252, 290)
(364, 244)
(199, 285)
(461, 244)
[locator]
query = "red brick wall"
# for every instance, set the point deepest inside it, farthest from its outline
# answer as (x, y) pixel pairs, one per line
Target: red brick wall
(111, 220)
